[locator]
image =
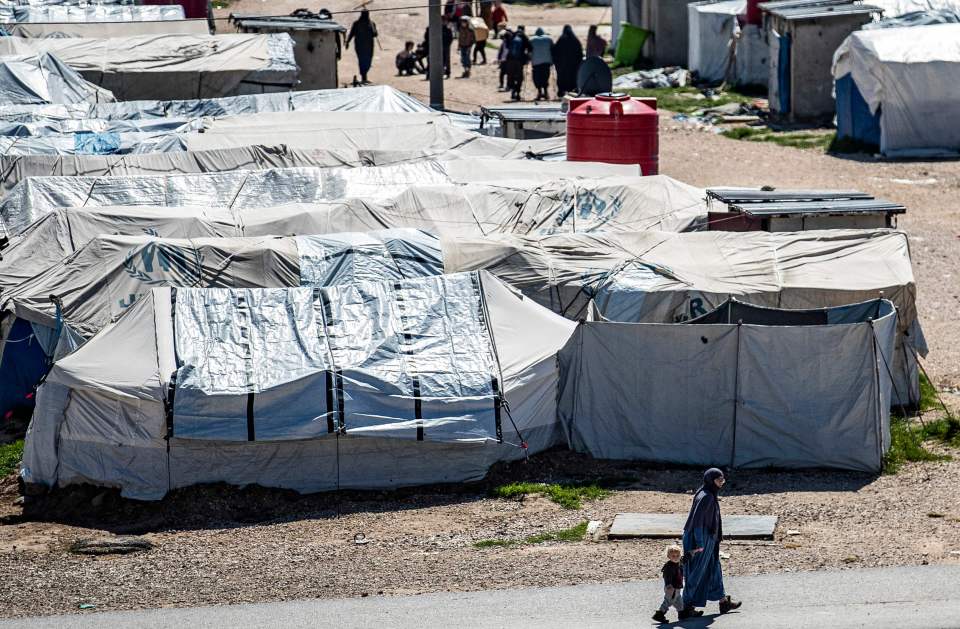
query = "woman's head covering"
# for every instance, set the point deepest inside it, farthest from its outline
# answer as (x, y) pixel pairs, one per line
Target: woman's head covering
(567, 31)
(592, 30)
(364, 16)
(709, 476)
(705, 510)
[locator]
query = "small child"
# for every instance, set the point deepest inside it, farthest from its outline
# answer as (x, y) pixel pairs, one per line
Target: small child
(672, 583)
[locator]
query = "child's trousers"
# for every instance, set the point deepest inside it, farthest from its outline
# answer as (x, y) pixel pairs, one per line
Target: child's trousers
(676, 600)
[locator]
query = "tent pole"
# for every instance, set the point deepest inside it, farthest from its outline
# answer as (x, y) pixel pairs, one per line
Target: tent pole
(435, 62)
(876, 372)
(736, 397)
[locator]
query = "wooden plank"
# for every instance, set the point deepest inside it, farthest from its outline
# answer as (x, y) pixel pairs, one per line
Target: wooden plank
(670, 526)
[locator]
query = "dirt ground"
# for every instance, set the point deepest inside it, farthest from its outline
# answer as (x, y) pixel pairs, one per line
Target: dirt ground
(216, 545)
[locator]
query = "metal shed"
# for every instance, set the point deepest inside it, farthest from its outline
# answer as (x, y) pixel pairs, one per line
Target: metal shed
(316, 43)
(524, 122)
(803, 37)
(798, 210)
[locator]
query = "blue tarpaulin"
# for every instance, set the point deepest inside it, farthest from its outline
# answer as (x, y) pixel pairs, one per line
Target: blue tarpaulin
(854, 119)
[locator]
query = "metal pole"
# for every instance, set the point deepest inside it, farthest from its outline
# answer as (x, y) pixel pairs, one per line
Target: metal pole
(436, 56)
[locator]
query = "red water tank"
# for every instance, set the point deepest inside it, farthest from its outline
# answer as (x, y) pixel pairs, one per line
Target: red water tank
(614, 128)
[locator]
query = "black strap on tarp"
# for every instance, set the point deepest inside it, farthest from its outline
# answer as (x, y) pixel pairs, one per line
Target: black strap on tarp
(330, 424)
(407, 339)
(251, 431)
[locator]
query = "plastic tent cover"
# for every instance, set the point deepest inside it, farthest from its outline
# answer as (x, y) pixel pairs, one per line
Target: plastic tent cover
(152, 65)
(727, 394)
(662, 277)
(419, 194)
(90, 13)
(413, 360)
(911, 76)
(44, 79)
(369, 98)
(110, 273)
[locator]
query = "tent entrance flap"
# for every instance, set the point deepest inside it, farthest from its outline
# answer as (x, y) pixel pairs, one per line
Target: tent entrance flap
(410, 359)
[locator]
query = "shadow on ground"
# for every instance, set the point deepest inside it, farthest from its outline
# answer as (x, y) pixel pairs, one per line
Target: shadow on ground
(224, 506)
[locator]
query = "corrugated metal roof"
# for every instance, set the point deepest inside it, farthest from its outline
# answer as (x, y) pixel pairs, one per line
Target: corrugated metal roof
(525, 113)
(834, 10)
(752, 195)
(819, 208)
(789, 4)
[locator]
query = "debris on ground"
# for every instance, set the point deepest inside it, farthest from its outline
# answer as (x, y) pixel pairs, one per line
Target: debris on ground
(673, 76)
(110, 546)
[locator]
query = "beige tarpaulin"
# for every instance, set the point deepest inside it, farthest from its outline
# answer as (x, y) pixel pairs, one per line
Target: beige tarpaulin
(167, 66)
(661, 277)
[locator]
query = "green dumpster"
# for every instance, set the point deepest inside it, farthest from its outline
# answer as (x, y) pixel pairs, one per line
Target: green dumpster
(631, 41)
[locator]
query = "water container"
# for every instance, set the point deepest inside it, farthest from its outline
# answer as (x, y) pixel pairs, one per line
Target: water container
(614, 128)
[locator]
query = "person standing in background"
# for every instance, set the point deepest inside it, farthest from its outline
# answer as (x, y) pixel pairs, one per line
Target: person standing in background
(480, 34)
(596, 45)
(541, 59)
(499, 17)
(465, 40)
(502, 56)
(517, 57)
(567, 56)
(363, 32)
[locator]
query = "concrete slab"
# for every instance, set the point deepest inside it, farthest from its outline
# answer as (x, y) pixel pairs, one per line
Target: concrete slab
(670, 525)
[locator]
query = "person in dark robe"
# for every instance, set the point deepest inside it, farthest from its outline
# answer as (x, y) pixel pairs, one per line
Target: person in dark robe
(702, 535)
(567, 56)
(596, 45)
(517, 57)
(363, 32)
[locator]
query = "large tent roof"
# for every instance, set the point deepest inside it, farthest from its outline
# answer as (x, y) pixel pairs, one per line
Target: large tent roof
(380, 98)
(664, 277)
(39, 12)
(154, 65)
(520, 196)
(413, 135)
(41, 78)
(100, 282)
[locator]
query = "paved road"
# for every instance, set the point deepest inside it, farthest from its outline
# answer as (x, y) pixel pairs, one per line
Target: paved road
(923, 596)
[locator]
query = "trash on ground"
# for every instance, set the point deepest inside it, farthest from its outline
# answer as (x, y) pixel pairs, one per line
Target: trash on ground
(672, 76)
(110, 546)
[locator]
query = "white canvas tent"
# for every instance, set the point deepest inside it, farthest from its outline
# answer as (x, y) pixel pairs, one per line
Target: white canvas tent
(660, 277)
(353, 395)
(178, 66)
(748, 387)
(526, 197)
(98, 283)
(37, 79)
(910, 79)
(371, 98)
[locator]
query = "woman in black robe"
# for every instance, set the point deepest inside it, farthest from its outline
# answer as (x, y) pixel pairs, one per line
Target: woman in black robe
(363, 32)
(567, 55)
(702, 534)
